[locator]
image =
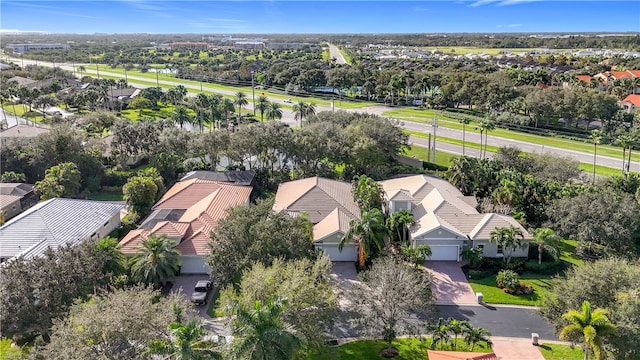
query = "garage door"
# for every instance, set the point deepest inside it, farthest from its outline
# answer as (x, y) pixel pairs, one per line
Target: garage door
(444, 252)
(349, 252)
(193, 265)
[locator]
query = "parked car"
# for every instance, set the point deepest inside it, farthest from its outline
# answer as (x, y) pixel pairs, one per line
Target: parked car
(288, 101)
(201, 291)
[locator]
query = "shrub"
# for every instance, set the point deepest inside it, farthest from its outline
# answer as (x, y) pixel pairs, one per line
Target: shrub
(474, 257)
(516, 264)
(508, 280)
(547, 268)
(479, 274)
(115, 178)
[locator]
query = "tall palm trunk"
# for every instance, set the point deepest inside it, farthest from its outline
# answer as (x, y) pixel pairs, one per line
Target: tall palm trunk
(624, 157)
(629, 160)
(595, 154)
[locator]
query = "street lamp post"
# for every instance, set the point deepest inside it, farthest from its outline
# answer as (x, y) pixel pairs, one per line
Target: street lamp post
(253, 93)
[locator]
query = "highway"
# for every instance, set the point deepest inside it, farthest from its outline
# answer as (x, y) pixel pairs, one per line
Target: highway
(288, 118)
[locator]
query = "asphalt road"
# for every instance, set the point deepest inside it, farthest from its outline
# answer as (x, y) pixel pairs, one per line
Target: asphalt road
(516, 322)
(336, 54)
(379, 110)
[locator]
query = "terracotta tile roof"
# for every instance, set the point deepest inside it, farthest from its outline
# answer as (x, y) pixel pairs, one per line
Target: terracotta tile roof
(336, 221)
(620, 74)
(184, 194)
(633, 99)
(205, 202)
(316, 196)
(635, 73)
(459, 355)
(584, 78)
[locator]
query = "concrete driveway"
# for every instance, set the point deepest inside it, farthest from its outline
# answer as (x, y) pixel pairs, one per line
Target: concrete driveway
(344, 275)
(184, 284)
(521, 349)
(450, 286)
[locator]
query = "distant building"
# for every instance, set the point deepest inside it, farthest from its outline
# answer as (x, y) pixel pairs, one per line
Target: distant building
(23, 48)
(631, 103)
(188, 45)
(249, 45)
(21, 134)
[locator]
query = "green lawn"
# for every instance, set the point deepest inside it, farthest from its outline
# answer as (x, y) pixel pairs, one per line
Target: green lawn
(464, 50)
(106, 196)
(493, 295)
(561, 352)
(568, 252)
(410, 349)
(425, 116)
(419, 152)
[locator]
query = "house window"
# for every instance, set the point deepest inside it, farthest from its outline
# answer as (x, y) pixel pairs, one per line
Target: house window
(500, 250)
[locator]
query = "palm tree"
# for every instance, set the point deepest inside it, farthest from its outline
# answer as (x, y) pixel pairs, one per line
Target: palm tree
(240, 101)
(180, 115)
(262, 106)
(474, 335)
(156, 262)
(625, 141)
(260, 333)
(274, 111)
(439, 334)
(456, 327)
(545, 238)
(186, 342)
(596, 137)
(303, 110)
(368, 232)
(114, 260)
(591, 325)
(464, 121)
(509, 238)
(485, 126)
(399, 224)
(226, 107)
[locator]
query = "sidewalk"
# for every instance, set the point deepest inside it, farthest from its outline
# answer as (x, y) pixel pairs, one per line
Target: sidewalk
(515, 349)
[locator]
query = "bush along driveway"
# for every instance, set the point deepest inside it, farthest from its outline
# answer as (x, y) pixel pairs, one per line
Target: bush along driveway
(494, 295)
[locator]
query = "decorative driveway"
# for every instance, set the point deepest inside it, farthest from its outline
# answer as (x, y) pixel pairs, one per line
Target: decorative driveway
(512, 349)
(450, 286)
(185, 284)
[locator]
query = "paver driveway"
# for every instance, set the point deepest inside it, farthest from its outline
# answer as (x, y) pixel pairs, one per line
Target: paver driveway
(185, 283)
(512, 349)
(450, 286)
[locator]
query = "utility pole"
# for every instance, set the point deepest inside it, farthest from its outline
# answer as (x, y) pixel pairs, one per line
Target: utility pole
(98, 71)
(435, 126)
(333, 105)
(157, 79)
(253, 93)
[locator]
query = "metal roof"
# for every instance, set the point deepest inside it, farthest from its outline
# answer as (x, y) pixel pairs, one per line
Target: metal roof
(53, 223)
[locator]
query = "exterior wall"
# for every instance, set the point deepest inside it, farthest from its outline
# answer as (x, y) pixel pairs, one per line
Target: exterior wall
(12, 209)
(107, 227)
(491, 250)
(395, 206)
(330, 246)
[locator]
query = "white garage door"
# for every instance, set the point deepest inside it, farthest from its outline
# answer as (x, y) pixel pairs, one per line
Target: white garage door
(194, 265)
(349, 252)
(444, 252)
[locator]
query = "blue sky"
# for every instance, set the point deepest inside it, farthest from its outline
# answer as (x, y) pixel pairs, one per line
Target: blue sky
(203, 16)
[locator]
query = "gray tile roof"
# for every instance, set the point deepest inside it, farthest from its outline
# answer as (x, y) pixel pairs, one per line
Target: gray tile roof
(54, 223)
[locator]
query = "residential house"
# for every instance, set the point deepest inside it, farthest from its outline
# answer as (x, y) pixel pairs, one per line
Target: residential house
(187, 213)
(57, 222)
(330, 207)
(21, 134)
(631, 103)
(16, 198)
(445, 219)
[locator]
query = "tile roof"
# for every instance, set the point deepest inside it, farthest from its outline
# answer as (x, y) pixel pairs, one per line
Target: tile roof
(53, 223)
(632, 99)
(233, 176)
(23, 131)
(439, 205)
(204, 203)
(336, 221)
(584, 78)
(6, 200)
(316, 196)
(20, 189)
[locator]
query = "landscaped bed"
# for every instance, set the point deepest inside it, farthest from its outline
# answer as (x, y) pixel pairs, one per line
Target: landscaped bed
(493, 295)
